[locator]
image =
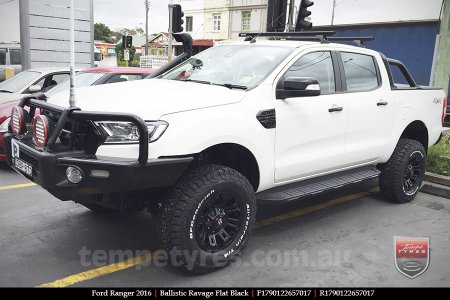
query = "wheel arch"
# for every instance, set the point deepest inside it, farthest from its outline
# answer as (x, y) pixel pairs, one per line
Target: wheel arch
(417, 130)
(234, 156)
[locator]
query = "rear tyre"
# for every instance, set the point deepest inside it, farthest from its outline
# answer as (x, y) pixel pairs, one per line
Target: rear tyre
(207, 218)
(402, 176)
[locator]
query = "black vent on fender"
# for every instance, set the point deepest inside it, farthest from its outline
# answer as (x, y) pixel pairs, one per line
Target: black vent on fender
(267, 118)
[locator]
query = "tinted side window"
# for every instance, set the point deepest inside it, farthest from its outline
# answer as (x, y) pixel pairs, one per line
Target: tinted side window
(58, 78)
(124, 77)
(360, 72)
(2, 57)
(40, 82)
(14, 56)
(317, 65)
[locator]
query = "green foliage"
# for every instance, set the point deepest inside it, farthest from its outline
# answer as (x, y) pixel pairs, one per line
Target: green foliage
(103, 33)
(120, 61)
(438, 160)
(129, 31)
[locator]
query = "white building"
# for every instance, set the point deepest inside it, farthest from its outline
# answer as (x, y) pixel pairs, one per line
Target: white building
(247, 16)
(222, 19)
(193, 17)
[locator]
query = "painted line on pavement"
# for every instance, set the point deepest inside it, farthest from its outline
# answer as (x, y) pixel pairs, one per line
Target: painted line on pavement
(307, 210)
(16, 186)
(109, 269)
(91, 274)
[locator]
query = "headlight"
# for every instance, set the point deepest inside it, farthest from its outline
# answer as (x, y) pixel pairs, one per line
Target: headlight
(128, 133)
(4, 125)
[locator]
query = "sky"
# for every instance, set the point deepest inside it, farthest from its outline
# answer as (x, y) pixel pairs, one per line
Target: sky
(131, 13)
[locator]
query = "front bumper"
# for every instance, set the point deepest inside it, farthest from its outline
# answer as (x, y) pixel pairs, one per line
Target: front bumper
(49, 171)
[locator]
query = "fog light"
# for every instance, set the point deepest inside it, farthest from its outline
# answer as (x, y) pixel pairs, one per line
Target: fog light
(99, 173)
(74, 175)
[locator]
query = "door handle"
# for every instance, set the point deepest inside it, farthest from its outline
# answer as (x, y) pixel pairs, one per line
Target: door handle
(382, 103)
(336, 109)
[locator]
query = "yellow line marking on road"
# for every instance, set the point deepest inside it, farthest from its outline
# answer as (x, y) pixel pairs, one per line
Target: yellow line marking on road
(307, 210)
(91, 274)
(17, 186)
(109, 269)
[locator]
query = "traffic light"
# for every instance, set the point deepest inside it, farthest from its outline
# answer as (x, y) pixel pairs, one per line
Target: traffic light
(303, 13)
(127, 41)
(276, 15)
(177, 18)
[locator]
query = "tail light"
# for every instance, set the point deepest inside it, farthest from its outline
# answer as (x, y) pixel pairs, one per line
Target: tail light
(19, 120)
(444, 109)
(41, 130)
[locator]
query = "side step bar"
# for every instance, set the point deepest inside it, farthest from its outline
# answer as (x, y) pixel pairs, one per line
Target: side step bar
(318, 185)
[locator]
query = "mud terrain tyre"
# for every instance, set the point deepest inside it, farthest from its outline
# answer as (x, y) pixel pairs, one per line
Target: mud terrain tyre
(402, 176)
(207, 218)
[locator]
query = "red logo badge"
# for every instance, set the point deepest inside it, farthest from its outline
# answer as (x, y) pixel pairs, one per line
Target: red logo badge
(412, 255)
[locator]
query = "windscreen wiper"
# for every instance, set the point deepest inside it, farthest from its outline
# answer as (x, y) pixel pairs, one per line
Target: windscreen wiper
(197, 81)
(227, 85)
(232, 86)
(5, 91)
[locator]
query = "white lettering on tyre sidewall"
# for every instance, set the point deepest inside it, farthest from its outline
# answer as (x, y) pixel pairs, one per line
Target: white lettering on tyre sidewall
(191, 229)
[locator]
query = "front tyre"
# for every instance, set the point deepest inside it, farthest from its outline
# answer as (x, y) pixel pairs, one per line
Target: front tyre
(208, 218)
(402, 176)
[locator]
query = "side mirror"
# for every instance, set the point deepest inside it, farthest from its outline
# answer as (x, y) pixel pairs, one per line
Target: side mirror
(292, 87)
(34, 89)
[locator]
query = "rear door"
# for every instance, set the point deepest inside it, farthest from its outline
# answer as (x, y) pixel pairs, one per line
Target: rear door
(310, 132)
(370, 108)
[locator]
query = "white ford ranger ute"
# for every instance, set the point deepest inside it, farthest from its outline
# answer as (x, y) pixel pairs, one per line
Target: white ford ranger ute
(211, 135)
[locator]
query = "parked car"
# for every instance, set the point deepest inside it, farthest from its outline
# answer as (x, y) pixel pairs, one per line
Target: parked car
(5, 117)
(31, 81)
(10, 57)
(264, 120)
(87, 77)
(99, 76)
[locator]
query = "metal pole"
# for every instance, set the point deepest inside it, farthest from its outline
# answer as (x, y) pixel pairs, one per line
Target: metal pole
(291, 25)
(146, 27)
(332, 15)
(169, 45)
(72, 100)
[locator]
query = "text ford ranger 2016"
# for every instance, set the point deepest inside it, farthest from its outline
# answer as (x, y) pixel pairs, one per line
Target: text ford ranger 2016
(204, 141)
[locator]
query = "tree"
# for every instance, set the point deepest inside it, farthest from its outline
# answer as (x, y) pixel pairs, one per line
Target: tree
(129, 31)
(121, 61)
(103, 33)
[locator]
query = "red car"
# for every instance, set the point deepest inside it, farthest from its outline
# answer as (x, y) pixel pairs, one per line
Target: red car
(5, 112)
(88, 77)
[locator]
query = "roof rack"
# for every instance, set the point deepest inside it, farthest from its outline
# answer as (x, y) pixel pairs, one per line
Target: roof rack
(251, 36)
(322, 36)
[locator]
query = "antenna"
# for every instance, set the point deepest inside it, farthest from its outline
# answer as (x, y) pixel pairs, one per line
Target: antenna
(72, 99)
